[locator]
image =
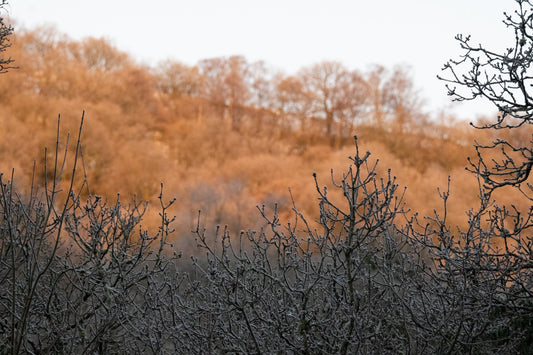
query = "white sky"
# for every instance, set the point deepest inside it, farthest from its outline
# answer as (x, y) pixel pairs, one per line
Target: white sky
(287, 34)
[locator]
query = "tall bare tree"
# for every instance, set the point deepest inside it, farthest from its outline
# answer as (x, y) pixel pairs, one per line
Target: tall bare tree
(292, 101)
(335, 91)
(323, 81)
(176, 79)
(226, 85)
(402, 98)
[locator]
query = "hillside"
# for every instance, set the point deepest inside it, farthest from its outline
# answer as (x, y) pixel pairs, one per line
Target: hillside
(224, 135)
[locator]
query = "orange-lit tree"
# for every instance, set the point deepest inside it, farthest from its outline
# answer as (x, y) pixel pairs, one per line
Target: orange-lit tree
(337, 94)
(226, 87)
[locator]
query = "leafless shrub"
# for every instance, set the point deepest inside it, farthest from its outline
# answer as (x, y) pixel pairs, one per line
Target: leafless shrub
(74, 275)
(364, 278)
(343, 288)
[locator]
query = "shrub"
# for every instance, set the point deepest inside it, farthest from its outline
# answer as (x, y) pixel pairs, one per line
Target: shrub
(75, 274)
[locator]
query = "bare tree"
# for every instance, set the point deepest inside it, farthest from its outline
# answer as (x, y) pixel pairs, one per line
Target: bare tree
(176, 79)
(504, 79)
(292, 102)
(337, 95)
(226, 86)
(323, 82)
(490, 263)
(6, 30)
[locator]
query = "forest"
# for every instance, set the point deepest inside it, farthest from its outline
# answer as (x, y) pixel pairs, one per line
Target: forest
(225, 135)
(225, 207)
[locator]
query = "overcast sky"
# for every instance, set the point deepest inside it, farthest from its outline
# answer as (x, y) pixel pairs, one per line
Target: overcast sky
(287, 34)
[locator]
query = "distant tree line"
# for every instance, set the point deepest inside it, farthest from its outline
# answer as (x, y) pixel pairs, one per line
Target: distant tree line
(326, 93)
(326, 98)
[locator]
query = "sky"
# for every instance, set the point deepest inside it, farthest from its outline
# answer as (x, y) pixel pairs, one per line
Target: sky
(288, 34)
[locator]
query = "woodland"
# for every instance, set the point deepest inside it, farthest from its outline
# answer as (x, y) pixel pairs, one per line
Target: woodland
(225, 135)
(226, 207)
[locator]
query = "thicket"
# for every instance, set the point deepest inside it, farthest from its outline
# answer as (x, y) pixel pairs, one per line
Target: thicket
(81, 274)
